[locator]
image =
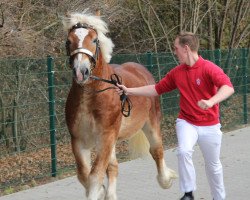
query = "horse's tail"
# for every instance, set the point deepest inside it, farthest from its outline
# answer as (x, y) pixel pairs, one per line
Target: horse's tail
(138, 145)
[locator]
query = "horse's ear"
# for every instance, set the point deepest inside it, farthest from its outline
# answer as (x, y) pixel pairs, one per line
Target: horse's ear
(98, 12)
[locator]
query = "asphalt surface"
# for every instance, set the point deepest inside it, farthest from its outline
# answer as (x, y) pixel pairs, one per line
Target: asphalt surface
(137, 178)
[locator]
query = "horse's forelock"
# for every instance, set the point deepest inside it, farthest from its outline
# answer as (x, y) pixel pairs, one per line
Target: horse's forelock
(98, 24)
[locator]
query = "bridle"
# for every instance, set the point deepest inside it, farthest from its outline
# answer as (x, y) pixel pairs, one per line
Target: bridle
(93, 57)
(114, 78)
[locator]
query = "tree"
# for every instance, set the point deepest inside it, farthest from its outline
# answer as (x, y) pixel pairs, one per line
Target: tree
(33, 28)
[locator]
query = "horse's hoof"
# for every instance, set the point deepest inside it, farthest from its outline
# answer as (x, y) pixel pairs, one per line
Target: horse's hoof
(111, 197)
(101, 193)
(164, 183)
(174, 175)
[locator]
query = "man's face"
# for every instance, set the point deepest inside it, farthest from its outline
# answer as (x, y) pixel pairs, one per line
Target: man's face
(180, 52)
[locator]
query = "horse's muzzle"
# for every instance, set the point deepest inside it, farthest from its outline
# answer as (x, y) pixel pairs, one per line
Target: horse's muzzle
(81, 75)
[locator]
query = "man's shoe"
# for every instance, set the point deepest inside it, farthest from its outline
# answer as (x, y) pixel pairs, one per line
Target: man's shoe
(187, 197)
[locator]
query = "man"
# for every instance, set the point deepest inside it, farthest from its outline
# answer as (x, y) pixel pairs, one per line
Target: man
(202, 86)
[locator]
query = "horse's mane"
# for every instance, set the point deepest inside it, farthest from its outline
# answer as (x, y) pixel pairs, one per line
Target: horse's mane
(98, 24)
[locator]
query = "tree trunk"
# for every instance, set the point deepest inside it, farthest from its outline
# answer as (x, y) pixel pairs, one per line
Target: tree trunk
(236, 21)
(3, 132)
(14, 128)
(210, 27)
(180, 15)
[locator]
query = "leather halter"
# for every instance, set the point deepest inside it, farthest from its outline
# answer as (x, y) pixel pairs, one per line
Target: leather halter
(94, 57)
(114, 77)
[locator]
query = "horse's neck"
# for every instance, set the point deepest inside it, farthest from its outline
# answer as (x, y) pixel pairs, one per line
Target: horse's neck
(103, 71)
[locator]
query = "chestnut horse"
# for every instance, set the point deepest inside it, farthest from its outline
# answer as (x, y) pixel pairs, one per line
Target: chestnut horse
(93, 114)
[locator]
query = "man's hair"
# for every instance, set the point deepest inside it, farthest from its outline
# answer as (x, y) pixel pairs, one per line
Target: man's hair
(190, 39)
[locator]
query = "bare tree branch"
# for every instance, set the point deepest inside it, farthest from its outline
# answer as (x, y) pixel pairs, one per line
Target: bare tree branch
(181, 15)
(148, 25)
(244, 34)
(165, 34)
(2, 16)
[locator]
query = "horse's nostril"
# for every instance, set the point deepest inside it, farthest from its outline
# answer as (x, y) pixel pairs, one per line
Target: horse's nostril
(74, 72)
(85, 72)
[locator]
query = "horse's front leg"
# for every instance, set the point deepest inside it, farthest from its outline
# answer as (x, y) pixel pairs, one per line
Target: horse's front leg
(112, 173)
(96, 176)
(82, 157)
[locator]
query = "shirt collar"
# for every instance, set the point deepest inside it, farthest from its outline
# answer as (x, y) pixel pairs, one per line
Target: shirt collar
(196, 64)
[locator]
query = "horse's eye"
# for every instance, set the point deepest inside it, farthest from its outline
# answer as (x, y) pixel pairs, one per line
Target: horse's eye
(67, 47)
(68, 43)
(95, 40)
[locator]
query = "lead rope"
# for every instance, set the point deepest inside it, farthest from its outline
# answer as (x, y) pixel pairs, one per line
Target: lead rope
(126, 104)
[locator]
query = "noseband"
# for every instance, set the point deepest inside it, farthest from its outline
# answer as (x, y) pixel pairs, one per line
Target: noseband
(94, 57)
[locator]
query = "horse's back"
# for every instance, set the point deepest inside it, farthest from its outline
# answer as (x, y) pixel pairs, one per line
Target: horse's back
(145, 109)
(133, 74)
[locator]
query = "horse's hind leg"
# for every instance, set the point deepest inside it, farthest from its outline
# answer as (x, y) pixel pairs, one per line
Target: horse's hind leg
(112, 173)
(82, 157)
(165, 175)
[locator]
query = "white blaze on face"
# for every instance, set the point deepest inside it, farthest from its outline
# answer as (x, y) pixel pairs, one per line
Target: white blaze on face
(81, 33)
(81, 65)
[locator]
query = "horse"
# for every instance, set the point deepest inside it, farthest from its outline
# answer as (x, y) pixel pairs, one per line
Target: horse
(94, 114)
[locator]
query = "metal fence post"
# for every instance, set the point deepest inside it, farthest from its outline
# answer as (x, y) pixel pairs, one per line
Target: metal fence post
(244, 65)
(51, 87)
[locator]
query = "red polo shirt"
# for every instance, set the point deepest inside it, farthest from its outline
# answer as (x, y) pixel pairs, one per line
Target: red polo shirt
(200, 81)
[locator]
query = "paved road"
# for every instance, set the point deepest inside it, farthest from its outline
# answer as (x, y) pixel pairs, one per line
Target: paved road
(137, 180)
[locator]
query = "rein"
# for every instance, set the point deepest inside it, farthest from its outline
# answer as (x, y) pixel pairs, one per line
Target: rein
(114, 79)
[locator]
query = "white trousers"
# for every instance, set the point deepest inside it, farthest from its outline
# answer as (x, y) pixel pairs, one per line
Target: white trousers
(209, 141)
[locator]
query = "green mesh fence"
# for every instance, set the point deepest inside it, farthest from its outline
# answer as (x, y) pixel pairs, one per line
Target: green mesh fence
(34, 141)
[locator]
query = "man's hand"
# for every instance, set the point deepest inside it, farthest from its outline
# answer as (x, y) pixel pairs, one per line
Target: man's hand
(146, 90)
(205, 104)
(121, 88)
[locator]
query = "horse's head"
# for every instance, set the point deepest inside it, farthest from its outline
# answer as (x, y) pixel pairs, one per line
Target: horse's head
(86, 44)
(82, 47)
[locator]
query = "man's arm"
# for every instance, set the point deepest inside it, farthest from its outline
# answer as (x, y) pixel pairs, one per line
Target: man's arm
(147, 90)
(223, 93)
